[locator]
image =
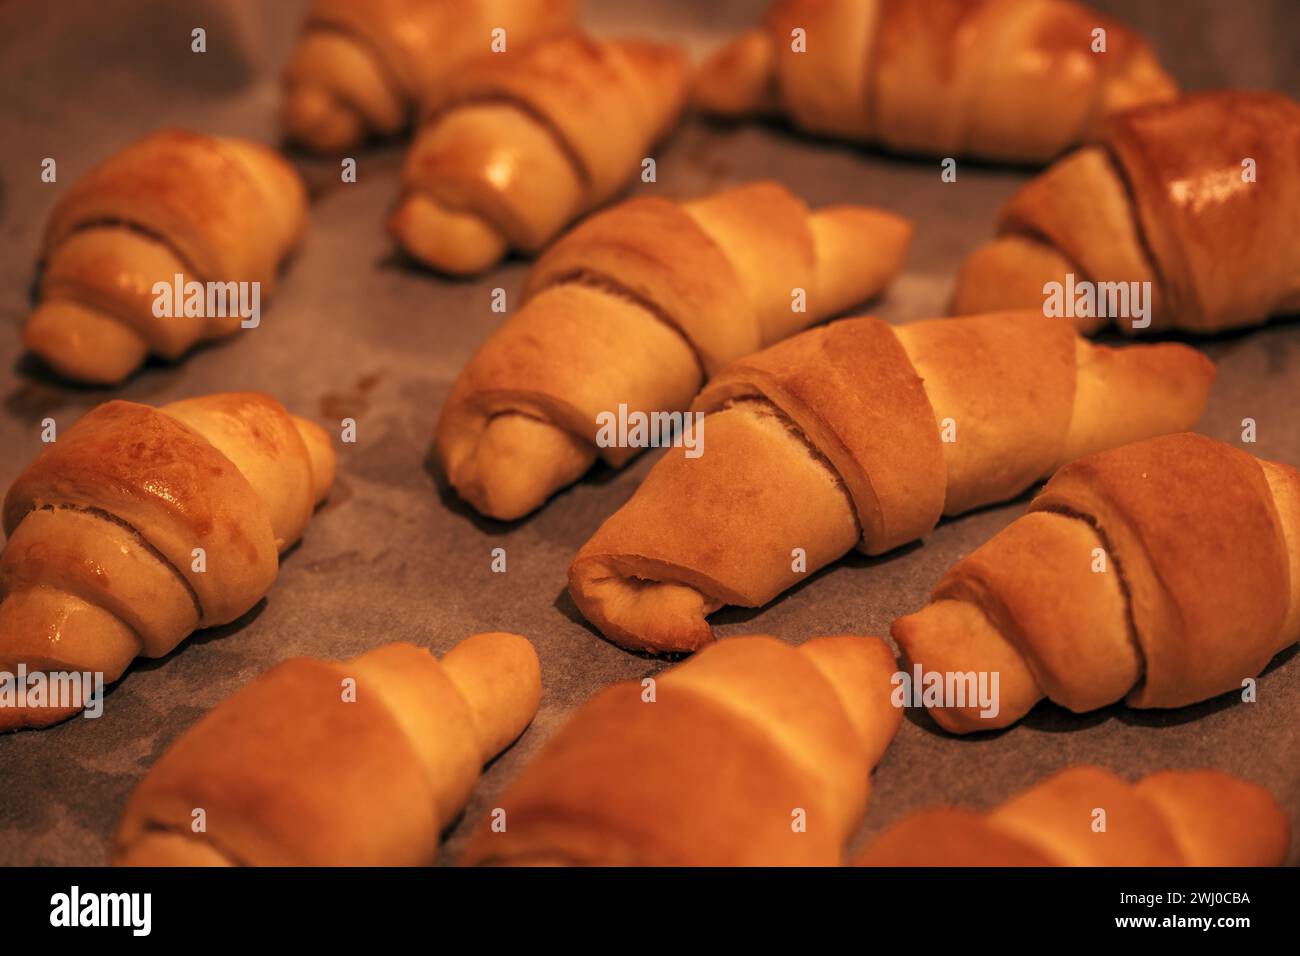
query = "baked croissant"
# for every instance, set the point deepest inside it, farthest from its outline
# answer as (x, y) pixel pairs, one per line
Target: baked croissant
(1001, 79)
(862, 435)
(1167, 199)
(362, 66)
(1171, 818)
(316, 763)
(637, 306)
(172, 204)
(1165, 572)
(751, 753)
(522, 145)
(140, 525)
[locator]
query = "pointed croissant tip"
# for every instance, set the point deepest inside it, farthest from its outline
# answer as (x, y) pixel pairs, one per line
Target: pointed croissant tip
(324, 461)
(736, 79)
(500, 676)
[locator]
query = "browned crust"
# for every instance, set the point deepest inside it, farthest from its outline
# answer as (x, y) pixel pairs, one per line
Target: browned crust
(187, 189)
(1228, 250)
(877, 430)
(165, 480)
(1193, 524)
(1087, 816)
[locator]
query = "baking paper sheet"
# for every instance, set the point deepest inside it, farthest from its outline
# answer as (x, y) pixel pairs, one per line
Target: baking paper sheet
(355, 332)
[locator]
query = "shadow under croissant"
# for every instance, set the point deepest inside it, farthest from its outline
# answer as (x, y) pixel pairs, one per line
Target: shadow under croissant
(1048, 717)
(143, 665)
(597, 475)
(735, 614)
(457, 506)
(155, 374)
(564, 604)
(41, 392)
(1193, 712)
(782, 126)
(1110, 335)
(204, 636)
(322, 174)
(730, 613)
(398, 259)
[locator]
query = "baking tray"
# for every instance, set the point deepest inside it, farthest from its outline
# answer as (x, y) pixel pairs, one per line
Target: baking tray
(355, 332)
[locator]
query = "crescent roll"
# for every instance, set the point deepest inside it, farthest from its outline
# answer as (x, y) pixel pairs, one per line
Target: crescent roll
(319, 763)
(522, 145)
(859, 434)
(1017, 80)
(140, 525)
(1197, 201)
(212, 211)
(1087, 816)
(362, 67)
(1164, 573)
(637, 306)
(753, 753)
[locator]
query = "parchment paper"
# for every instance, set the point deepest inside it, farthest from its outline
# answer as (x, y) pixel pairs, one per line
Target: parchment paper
(355, 332)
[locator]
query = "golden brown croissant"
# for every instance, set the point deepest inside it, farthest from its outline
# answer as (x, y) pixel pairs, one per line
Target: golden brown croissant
(1087, 816)
(140, 524)
(862, 435)
(357, 763)
(1199, 199)
(751, 753)
(1002, 79)
(1166, 572)
(522, 145)
(173, 204)
(363, 66)
(636, 307)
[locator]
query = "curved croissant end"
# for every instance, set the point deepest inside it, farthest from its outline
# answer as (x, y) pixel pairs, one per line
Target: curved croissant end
(143, 524)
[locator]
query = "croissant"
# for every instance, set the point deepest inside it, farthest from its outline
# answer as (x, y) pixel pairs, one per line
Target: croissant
(636, 307)
(1166, 572)
(140, 524)
(521, 146)
(1196, 202)
(359, 763)
(1010, 80)
(174, 204)
(1087, 816)
(862, 435)
(362, 66)
(751, 753)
